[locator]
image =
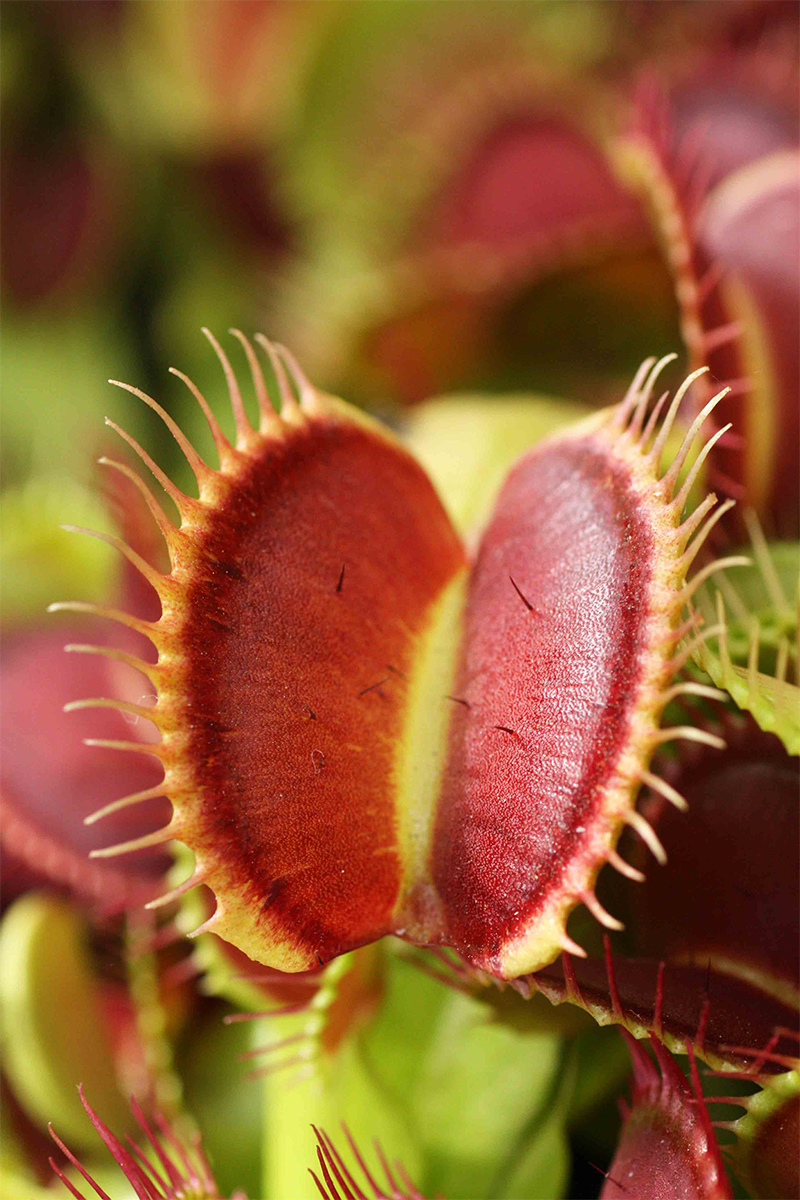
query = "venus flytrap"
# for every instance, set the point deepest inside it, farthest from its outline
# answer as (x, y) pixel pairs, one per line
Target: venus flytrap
(167, 1169)
(370, 726)
(426, 725)
(668, 1147)
(342, 819)
(368, 729)
(739, 301)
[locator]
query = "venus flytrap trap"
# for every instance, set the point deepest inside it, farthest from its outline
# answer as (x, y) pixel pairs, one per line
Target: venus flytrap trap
(167, 1170)
(345, 818)
(421, 727)
(718, 225)
(668, 1147)
(355, 713)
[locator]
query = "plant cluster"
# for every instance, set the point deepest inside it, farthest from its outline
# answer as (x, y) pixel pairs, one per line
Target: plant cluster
(426, 768)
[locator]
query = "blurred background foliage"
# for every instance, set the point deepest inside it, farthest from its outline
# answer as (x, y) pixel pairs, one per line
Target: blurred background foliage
(363, 180)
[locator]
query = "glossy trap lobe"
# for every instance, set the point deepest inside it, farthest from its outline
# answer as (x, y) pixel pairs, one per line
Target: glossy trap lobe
(574, 603)
(298, 647)
(667, 1150)
(548, 676)
(303, 581)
